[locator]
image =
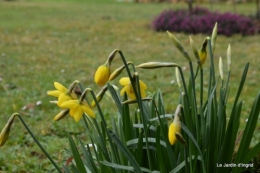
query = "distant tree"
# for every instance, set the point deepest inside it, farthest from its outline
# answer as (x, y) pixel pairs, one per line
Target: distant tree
(257, 10)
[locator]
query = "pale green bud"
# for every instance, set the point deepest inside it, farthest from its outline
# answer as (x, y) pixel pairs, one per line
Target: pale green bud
(177, 43)
(229, 57)
(221, 73)
(6, 130)
(152, 65)
(214, 36)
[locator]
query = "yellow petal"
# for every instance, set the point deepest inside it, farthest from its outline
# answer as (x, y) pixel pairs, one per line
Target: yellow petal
(60, 87)
(54, 93)
(76, 112)
(171, 134)
(70, 104)
(124, 90)
(102, 75)
(143, 93)
(88, 111)
(124, 81)
(132, 95)
(142, 85)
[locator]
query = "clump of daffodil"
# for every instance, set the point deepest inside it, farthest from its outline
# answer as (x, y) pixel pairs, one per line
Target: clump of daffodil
(128, 88)
(78, 107)
(102, 74)
(63, 93)
(203, 52)
(175, 127)
(6, 130)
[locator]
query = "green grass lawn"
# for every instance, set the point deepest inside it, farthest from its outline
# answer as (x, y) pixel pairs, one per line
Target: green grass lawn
(46, 41)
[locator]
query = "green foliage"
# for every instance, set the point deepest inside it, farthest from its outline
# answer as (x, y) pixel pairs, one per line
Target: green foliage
(30, 48)
(138, 141)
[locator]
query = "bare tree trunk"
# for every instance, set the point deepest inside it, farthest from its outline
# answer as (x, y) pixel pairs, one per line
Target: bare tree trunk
(190, 3)
(258, 10)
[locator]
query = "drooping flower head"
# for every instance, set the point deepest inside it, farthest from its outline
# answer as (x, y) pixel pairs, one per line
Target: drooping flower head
(175, 127)
(4, 134)
(78, 107)
(102, 74)
(128, 88)
(63, 93)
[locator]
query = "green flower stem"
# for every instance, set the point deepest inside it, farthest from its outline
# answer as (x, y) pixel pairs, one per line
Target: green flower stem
(184, 85)
(139, 103)
(99, 109)
(226, 88)
(39, 144)
(193, 87)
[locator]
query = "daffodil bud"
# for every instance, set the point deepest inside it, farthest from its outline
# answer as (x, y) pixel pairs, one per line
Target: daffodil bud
(135, 101)
(102, 74)
(229, 57)
(152, 65)
(6, 130)
(115, 73)
(61, 115)
(177, 43)
(175, 126)
(99, 96)
(221, 73)
(203, 52)
(195, 51)
(214, 36)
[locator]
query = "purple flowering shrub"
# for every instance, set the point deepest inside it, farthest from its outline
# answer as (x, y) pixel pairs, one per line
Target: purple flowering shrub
(202, 20)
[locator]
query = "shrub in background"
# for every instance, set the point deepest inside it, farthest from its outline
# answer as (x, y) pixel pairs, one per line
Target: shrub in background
(202, 20)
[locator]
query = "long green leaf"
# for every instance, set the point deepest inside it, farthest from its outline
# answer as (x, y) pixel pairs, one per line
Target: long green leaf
(252, 153)
(125, 151)
(187, 131)
(248, 133)
(151, 140)
(76, 155)
(90, 164)
(129, 168)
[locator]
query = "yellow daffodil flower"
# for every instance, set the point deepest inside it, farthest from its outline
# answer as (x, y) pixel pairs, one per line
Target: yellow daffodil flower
(128, 88)
(203, 52)
(175, 127)
(203, 56)
(62, 93)
(77, 108)
(102, 75)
